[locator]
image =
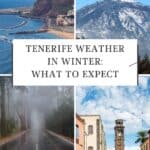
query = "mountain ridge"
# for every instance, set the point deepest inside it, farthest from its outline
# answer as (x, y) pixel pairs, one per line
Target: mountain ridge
(114, 19)
(51, 7)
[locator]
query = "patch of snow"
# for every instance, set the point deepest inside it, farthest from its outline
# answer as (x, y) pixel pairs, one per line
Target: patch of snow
(135, 14)
(131, 1)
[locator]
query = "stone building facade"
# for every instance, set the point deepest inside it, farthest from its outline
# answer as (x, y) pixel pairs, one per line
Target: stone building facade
(145, 145)
(79, 133)
(94, 136)
(119, 135)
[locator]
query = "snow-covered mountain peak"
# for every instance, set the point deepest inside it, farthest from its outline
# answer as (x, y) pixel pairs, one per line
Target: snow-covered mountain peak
(116, 19)
(132, 1)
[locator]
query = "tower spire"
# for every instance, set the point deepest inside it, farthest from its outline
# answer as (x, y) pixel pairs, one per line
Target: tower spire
(119, 134)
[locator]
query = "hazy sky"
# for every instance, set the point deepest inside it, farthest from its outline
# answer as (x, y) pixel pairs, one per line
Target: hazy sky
(81, 3)
(128, 103)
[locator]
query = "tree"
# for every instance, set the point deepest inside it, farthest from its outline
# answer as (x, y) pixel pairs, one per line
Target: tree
(3, 106)
(64, 123)
(21, 108)
(144, 65)
(141, 137)
(7, 112)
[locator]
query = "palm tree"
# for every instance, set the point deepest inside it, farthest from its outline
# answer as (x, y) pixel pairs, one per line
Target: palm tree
(141, 137)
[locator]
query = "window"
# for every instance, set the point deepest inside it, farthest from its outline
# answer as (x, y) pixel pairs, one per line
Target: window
(90, 129)
(77, 131)
(90, 148)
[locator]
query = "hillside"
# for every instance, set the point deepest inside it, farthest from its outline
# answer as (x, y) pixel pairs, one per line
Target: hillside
(116, 19)
(51, 8)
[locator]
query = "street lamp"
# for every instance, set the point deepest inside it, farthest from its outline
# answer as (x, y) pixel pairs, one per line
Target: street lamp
(86, 135)
(149, 137)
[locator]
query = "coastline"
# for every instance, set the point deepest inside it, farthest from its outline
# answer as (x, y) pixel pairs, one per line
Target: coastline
(58, 32)
(61, 34)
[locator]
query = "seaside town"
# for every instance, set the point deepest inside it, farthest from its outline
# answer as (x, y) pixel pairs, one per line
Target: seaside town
(58, 17)
(33, 19)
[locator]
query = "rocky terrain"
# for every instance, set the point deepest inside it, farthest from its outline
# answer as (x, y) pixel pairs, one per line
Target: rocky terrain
(52, 8)
(116, 19)
(56, 13)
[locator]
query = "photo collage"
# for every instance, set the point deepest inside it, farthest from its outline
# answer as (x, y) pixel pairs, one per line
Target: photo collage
(74, 117)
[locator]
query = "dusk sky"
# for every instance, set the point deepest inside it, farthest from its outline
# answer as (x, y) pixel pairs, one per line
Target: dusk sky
(128, 103)
(82, 3)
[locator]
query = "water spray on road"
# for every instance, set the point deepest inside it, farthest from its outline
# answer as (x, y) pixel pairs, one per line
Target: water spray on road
(37, 125)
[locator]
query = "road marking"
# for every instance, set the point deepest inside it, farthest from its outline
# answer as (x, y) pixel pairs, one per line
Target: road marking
(36, 147)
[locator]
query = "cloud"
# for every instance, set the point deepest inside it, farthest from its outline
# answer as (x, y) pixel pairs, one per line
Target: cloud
(132, 148)
(143, 82)
(128, 148)
(129, 103)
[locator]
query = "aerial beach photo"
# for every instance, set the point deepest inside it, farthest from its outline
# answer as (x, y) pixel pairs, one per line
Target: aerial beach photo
(32, 19)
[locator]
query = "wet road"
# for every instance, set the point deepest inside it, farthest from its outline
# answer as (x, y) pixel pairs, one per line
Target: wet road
(30, 141)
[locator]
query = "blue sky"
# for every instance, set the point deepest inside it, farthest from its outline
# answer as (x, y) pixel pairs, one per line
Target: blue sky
(81, 3)
(129, 103)
(16, 3)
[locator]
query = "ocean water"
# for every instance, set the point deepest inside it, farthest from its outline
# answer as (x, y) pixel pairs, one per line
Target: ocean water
(5, 57)
(11, 24)
(16, 3)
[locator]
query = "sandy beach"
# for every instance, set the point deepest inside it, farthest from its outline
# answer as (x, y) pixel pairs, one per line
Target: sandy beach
(62, 34)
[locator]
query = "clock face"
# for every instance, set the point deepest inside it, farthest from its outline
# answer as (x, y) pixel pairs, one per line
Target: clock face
(119, 134)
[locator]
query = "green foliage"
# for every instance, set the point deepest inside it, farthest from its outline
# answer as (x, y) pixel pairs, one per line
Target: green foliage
(10, 127)
(61, 9)
(7, 124)
(2, 107)
(62, 120)
(141, 137)
(144, 65)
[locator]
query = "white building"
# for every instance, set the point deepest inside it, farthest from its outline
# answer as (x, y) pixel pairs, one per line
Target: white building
(94, 133)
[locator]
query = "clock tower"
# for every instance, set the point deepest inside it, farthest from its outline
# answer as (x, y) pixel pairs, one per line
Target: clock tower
(119, 135)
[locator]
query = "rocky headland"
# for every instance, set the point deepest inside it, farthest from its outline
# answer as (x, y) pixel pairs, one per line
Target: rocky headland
(57, 14)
